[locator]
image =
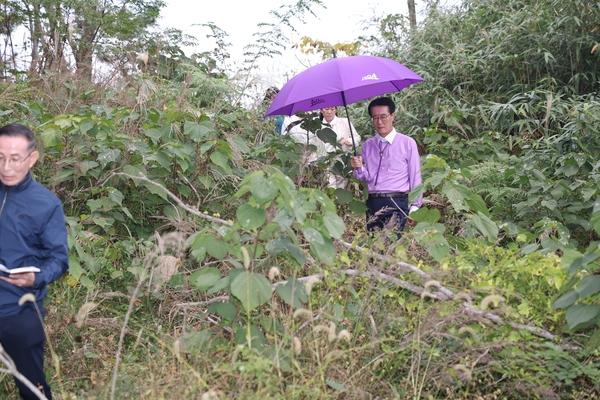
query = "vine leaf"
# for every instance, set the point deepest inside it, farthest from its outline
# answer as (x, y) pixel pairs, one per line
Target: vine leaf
(251, 289)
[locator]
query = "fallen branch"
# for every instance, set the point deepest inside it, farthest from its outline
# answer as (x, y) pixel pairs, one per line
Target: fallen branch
(402, 265)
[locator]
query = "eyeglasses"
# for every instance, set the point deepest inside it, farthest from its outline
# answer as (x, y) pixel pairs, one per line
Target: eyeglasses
(13, 162)
(382, 117)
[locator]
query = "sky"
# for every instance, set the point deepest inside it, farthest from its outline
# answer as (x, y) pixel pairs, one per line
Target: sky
(341, 21)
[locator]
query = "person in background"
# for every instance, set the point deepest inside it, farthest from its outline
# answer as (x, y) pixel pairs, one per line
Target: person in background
(267, 100)
(32, 233)
(344, 132)
(293, 126)
(391, 167)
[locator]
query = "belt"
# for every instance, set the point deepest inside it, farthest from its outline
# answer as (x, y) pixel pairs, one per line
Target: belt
(393, 195)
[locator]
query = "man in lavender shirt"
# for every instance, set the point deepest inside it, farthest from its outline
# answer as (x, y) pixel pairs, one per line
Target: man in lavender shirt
(391, 168)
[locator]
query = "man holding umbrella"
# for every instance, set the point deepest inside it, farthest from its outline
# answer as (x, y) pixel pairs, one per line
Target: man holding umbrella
(391, 167)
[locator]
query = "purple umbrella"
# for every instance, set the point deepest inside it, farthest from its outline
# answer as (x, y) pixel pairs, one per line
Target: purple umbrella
(339, 82)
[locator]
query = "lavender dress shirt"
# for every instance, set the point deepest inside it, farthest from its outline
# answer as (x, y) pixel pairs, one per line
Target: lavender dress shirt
(391, 164)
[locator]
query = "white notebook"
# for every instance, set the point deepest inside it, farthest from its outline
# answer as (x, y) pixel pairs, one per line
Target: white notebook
(18, 270)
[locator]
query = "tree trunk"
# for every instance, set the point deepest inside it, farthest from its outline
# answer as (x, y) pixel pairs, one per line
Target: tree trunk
(412, 14)
(83, 48)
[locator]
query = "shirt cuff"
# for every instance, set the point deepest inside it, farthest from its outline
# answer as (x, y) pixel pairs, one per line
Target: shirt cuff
(412, 208)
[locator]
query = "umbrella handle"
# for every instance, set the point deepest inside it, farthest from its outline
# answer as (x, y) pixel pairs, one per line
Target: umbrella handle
(349, 123)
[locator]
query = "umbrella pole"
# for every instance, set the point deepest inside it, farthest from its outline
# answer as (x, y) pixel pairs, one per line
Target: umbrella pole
(349, 123)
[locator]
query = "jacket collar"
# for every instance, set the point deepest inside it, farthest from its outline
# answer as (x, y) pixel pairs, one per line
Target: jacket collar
(19, 187)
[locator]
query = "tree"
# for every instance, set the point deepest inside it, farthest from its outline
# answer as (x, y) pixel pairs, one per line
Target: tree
(81, 29)
(412, 14)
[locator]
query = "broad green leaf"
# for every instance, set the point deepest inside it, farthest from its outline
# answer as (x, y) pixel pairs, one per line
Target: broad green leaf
(550, 204)
(323, 251)
(154, 134)
(51, 137)
(256, 340)
(344, 196)
(250, 217)
(476, 204)
(328, 136)
(282, 244)
(206, 181)
(438, 247)
(486, 226)
(455, 197)
(263, 189)
(284, 219)
(549, 244)
(588, 193)
(220, 158)
(589, 286)
(208, 243)
(85, 126)
(240, 143)
(135, 170)
(530, 248)
(116, 196)
(425, 214)
(313, 236)
(595, 221)
(161, 158)
(589, 257)
(204, 278)
(75, 269)
(334, 224)
(566, 300)
(63, 121)
(596, 204)
(293, 292)
(197, 131)
(206, 146)
(86, 165)
(416, 192)
(225, 310)
(251, 289)
(108, 156)
(357, 207)
(223, 284)
(319, 197)
(64, 174)
(569, 168)
(580, 314)
(156, 190)
(436, 178)
(538, 175)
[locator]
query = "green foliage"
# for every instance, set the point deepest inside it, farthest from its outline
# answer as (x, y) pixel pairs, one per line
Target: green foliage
(507, 120)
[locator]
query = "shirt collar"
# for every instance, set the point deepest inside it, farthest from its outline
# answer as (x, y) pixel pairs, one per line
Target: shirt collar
(333, 121)
(389, 138)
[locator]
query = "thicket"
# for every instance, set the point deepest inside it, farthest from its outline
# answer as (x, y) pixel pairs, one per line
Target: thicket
(207, 261)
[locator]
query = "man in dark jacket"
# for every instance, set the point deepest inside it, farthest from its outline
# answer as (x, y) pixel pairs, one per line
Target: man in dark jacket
(32, 234)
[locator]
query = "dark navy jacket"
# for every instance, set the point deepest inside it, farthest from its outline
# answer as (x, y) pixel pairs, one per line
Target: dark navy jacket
(32, 233)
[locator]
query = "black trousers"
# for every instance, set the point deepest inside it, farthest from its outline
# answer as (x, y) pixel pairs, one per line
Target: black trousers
(386, 212)
(22, 337)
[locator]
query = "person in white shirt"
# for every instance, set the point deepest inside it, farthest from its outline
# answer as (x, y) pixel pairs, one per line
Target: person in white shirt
(344, 132)
(292, 126)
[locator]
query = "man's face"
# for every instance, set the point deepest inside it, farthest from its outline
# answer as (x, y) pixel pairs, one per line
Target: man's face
(15, 159)
(382, 119)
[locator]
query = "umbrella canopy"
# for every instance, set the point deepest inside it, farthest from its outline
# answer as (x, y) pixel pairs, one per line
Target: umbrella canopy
(341, 81)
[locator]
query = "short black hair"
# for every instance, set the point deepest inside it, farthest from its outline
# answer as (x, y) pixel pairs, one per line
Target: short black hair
(271, 93)
(15, 130)
(383, 101)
